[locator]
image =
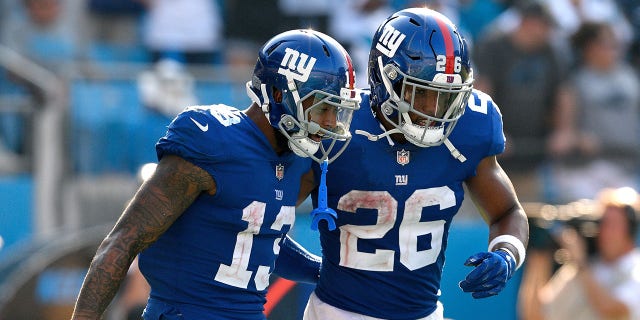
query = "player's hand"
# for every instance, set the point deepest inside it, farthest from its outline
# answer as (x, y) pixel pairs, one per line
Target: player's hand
(490, 275)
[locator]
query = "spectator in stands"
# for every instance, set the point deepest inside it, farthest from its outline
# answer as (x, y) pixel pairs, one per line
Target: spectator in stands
(354, 26)
(44, 33)
(605, 285)
(571, 14)
(252, 21)
(306, 14)
(596, 142)
(476, 15)
(631, 9)
(521, 70)
(167, 87)
(189, 31)
(114, 31)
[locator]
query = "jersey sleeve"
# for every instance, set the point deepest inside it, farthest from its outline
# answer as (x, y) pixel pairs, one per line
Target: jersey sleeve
(482, 123)
(192, 136)
(498, 139)
(296, 263)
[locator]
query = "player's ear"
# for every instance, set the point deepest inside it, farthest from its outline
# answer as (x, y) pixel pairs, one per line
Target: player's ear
(277, 95)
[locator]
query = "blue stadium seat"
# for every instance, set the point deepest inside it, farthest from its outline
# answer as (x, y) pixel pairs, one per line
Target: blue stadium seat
(16, 212)
(111, 131)
(7, 86)
(109, 52)
(209, 92)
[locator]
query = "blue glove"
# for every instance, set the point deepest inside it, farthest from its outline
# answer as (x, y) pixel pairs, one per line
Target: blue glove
(492, 270)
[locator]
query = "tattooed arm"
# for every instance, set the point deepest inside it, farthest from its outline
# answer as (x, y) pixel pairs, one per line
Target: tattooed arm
(157, 204)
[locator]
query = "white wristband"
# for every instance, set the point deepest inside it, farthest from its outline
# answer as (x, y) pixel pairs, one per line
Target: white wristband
(507, 238)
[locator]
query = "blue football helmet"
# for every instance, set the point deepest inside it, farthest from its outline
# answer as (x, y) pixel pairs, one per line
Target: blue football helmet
(306, 66)
(419, 50)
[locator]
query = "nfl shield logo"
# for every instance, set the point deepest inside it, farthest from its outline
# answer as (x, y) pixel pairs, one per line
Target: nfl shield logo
(279, 171)
(402, 157)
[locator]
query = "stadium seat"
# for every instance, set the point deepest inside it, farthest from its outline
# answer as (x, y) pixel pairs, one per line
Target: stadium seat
(107, 52)
(101, 113)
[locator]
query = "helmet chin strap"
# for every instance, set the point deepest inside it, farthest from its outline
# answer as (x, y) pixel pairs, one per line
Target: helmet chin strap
(405, 107)
(376, 137)
(303, 146)
(454, 152)
(452, 149)
(412, 132)
(299, 142)
(264, 105)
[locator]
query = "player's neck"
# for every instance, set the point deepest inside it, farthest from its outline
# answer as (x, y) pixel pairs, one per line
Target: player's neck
(260, 119)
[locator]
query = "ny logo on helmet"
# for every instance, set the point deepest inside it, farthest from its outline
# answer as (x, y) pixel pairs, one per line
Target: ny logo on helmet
(296, 65)
(389, 41)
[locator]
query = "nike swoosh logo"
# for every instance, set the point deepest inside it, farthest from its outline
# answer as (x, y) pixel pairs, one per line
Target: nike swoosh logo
(203, 128)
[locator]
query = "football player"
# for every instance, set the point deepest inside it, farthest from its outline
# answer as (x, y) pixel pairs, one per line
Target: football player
(422, 132)
(210, 222)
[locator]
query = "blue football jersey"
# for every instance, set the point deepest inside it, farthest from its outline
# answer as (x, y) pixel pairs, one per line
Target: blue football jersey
(217, 256)
(395, 204)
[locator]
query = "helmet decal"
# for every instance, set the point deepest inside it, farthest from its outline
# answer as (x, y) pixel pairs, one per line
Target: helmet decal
(390, 41)
(294, 65)
(448, 46)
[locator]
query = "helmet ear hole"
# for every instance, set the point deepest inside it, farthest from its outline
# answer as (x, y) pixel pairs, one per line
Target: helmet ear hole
(397, 88)
(277, 95)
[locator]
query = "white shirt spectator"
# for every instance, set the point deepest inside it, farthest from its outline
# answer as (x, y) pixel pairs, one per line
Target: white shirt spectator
(185, 25)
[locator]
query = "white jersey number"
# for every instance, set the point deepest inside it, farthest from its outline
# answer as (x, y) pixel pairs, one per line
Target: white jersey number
(441, 63)
(410, 228)
(225, 117)
(237, 274)
(479, 102)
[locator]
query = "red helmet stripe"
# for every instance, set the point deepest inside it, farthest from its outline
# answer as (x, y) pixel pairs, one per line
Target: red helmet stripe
(448, 45)
(351, 74)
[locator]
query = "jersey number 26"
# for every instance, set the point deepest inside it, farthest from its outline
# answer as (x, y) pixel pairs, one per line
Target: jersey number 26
(410, 228)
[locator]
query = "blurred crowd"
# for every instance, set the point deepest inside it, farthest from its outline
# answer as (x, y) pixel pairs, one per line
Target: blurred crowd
(563, 72)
